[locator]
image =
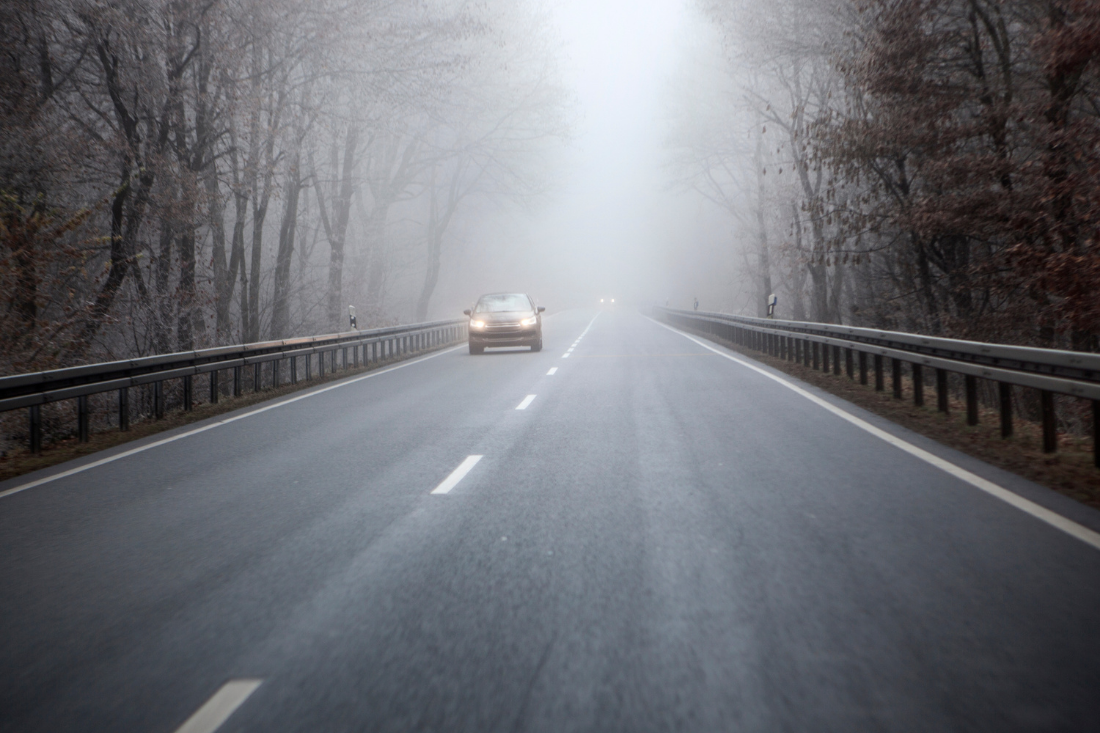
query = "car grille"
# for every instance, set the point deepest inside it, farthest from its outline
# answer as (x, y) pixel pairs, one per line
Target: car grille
(504, 331)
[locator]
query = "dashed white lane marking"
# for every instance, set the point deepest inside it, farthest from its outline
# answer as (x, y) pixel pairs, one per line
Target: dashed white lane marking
(218, 708)
(552, 372)
(526, 402)
(1041, 513)
(211, 426)
(457, 475)
(570, 351)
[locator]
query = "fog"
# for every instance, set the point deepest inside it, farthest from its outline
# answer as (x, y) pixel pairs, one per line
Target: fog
(243, 170)
(612, 226)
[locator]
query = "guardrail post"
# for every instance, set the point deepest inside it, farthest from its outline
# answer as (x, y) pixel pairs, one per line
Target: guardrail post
(214, 387)
(345, 359)
(237, 381)
(293, 370)
(275, 369)
(35, 428)
(814, 349)
(82, 418)
(941, 391)
(848, 364)
(896, 366)
(309, 367)
(863, 368)
(158, 400)
(1096, 433)
(257, 377)
(825, 358)
(188, 393)
(971, 383)
(320, 365)
(1050, 425)
(879, 376)
(355, 355)
(918, 385)
(124, 408)
(1006, 408)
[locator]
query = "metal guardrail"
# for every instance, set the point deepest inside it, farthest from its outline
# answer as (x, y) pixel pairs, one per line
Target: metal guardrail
(31, 391)
(1050, 371)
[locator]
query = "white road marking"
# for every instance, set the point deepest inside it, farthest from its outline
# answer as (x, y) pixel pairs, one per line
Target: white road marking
(457, 475)
(1041, 513)
(526, 402)
(565, 355)
(218, 708)
(211, 426)
(552, 372)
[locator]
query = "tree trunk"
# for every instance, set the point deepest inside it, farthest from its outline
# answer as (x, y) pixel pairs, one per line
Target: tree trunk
(185, 340)
(762, 254)
(280, 312)
(338, 234)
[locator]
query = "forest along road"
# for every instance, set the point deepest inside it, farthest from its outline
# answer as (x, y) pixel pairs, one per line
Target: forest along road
(662, 538)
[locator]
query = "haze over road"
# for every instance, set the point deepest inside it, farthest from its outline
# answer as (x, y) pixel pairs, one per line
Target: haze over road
(654, 538)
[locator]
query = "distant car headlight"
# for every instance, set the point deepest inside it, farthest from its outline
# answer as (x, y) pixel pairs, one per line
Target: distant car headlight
(529, 321)
(477, 324)
(601, 300)
(612, 300)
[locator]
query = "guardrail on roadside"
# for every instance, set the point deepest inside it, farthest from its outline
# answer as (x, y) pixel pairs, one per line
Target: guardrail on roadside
(31, 391)
(1050, 371)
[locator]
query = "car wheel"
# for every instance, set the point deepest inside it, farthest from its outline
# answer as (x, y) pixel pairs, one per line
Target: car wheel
(537, 346)
(477, 349)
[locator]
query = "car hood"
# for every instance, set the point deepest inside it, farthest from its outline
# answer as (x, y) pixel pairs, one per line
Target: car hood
(503, 317)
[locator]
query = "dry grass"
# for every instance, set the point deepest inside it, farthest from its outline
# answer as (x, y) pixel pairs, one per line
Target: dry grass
(1070, 471)
(21, 461)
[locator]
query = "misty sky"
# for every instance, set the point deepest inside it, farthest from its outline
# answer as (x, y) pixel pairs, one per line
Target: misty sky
(610, 226)
(620, 57)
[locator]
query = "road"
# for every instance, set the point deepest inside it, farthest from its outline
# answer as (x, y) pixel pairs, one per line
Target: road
(663, 539)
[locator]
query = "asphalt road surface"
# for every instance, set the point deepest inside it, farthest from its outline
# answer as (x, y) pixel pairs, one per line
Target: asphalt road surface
(661, 539)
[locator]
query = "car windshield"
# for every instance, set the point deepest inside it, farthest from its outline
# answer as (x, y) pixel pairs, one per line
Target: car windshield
(503, 303)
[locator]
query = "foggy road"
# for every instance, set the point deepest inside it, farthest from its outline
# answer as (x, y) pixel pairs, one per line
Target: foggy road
(624, 532)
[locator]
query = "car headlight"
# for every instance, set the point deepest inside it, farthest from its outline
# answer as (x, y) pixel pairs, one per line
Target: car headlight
(477, 324)
(529, 321)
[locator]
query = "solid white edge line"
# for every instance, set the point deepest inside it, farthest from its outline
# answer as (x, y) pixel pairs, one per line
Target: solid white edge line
(196, 431)
(526, 402)
(552, 372)
(1041, 513)
(457, 475)
(219, 707)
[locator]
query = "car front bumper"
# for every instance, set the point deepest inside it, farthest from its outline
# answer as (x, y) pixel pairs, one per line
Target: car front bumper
(505, 336)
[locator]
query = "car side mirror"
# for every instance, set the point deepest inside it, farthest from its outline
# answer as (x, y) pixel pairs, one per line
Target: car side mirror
(542, 308)
(466, 312)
